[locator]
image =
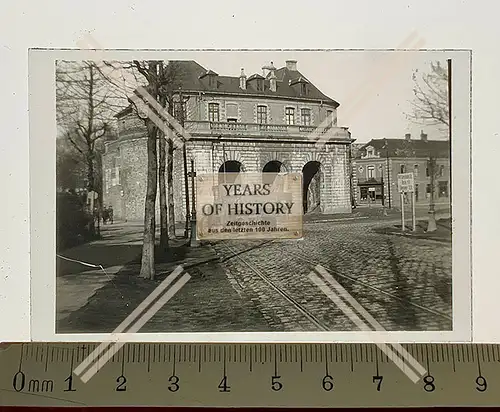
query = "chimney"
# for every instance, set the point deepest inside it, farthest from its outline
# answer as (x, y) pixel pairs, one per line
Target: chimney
(408, 137)
(267, 69)
(291, 65)
(423, 136)
(243, 80)
(272, 82)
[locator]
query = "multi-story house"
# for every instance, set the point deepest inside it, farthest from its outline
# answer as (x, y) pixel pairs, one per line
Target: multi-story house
(259, 123)
(378, 163)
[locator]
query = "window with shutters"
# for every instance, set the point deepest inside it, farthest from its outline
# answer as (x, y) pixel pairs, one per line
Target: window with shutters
(213, 112)
(232, 112)
(261, 114)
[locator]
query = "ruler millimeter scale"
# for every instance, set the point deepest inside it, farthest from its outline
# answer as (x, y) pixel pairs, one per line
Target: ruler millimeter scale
(313, 375)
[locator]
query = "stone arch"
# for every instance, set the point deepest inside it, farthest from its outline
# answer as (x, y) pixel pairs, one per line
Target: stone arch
(312, 177)
(312, 156)
(274, 166)
(229, 170)
(275, 156)
(224, 156)
(231, 166)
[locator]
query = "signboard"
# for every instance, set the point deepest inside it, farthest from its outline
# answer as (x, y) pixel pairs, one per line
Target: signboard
(249, 206)
(406, 183)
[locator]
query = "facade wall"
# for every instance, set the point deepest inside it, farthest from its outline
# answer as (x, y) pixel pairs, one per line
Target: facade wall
(399, 165)
(127, 196)
(197, 109)
(128, 155)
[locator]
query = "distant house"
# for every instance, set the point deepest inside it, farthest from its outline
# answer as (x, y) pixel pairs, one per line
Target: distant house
(378, 163)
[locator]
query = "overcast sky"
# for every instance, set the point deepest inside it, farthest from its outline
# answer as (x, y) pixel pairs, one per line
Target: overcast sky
(374, 88)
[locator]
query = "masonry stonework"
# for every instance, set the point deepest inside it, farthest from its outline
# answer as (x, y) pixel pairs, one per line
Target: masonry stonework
(281, 136)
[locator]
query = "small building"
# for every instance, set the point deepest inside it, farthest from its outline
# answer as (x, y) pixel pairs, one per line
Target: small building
(378, 163)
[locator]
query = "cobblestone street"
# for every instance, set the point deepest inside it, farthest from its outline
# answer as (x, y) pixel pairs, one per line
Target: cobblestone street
(404, 283)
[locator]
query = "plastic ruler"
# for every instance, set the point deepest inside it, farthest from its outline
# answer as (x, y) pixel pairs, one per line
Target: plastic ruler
(273, 375)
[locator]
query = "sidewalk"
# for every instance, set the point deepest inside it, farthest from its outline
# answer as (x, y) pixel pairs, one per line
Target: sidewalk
(208, 302)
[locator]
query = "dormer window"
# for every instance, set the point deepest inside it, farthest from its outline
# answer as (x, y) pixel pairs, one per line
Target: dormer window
(300, 85)
(257, 82)
(303, 89)
(211, 78)
(370, 152)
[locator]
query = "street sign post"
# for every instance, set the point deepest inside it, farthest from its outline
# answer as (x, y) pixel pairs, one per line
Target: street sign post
(406, 184)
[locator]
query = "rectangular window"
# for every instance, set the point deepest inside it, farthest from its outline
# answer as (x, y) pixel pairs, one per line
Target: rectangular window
(260, 85)
(402, 168)
(364, 193)
(290, 115)
(427, 170)
(428, 191)
(441, 171)
(415, 170)
(261, 114)
(305, 116)
(213, 112)
(371, 172)
(416, 193)
(177, 110)
(443, 189)
(231, 112)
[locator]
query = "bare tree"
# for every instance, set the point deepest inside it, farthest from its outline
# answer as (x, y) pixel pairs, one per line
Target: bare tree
(170, 82)
(430, 103)
(431, 106)
(84, 105)
(150, 70)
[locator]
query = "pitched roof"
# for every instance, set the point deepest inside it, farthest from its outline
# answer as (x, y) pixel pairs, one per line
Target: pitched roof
(409, 148)
(192, 74)
(231, 84)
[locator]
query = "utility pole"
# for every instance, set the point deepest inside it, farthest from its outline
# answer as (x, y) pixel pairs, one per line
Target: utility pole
(184, 158)
(449, 127)
(388, 172)
(193, 240)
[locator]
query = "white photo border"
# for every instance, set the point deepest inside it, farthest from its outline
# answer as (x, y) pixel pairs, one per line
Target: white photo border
(42, 123)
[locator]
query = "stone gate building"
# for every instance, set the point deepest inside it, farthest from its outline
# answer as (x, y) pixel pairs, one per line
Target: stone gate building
(260, 123)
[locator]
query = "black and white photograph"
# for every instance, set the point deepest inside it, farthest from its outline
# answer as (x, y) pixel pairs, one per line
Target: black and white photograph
(340, 204)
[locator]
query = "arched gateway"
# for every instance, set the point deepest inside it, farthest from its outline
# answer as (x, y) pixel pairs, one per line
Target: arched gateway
(311, 185)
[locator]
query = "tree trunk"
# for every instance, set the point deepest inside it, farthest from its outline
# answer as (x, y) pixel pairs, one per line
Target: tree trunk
(148, 247)
(170, 188)
(164, 235)
(91, 188)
